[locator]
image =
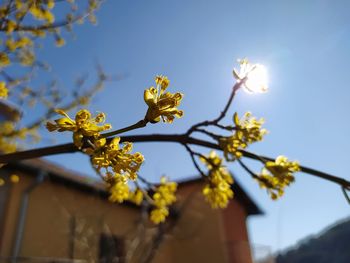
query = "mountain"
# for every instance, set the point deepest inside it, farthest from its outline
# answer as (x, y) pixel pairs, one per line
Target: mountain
(330, 246)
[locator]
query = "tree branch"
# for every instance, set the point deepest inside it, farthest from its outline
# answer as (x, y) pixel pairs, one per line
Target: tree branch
(176, 138)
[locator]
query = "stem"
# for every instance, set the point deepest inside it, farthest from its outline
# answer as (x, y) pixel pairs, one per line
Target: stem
(345, 194)
(137, 125)
(145, 181)
(247, 169)
(192, 154)
(145, 193)
(216, 121)
(210, 134)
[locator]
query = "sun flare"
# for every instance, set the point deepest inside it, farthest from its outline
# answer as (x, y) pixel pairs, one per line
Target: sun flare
(255, 77)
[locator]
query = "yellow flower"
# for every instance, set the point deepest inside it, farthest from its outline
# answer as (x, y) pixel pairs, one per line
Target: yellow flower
(26, 57)
(163, 81)
(275, 176)
(40, 13)
(60, 42)
(7, 144)
(162, 105)
(119, 191)
(219, 195)
(3, 90)
(282, 167)
(11, 26)
(163, 197)
(136, 196)
(83, 125)
(14, 178)
(12, 45)
(217, 191)
(250, 127)
(50, 4)
(158, 215)
(119, 159)
(247, 130)
(4, 59)
(165, 193)
(18, 4)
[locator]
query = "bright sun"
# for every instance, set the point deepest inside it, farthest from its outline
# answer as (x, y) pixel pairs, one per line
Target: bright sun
(257, 79)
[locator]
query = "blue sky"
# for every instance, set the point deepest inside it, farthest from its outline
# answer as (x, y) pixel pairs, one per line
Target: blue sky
(304, 45)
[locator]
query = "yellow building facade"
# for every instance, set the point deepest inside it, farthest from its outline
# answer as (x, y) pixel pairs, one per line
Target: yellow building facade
(55, 215)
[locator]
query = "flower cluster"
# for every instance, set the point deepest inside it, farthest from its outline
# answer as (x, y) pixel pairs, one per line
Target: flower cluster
(124, 164)
(3, 90)
(247, 130)
(118, 187)
(162, 105)
(6, 129)
(163, 197)
(119, 163)
(39, 9)
(22, 42)
(119, 190)
(136, 196)
(10, 135)
(218, 190)
(275, 176)
(4, 59)
(14, 178)
(83, 125)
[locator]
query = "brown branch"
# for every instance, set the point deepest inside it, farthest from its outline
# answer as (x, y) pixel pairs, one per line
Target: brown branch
(39, 152)
(175, 138)
(62, 23)
(196, 165)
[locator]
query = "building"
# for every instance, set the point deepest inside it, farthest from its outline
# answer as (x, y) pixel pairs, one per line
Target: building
(55, 215)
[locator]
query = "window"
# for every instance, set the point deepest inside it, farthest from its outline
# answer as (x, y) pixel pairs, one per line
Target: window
(112, 249)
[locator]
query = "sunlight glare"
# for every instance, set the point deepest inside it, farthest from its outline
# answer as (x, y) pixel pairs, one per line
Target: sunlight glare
(257, 80)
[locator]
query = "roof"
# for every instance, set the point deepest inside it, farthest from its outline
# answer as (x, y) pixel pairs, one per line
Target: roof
(58, 174)
(240, 195)
(82, 182)
(9, 111)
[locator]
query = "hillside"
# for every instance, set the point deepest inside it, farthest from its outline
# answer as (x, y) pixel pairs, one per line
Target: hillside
(330, 246)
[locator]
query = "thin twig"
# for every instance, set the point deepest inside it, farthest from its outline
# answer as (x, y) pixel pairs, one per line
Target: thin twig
(210, 134)
(147, 199)
(254, 175)
(192, 154)
(346, 194)
(137, 125)
(216, 121)
(248, 170)
(145, 181)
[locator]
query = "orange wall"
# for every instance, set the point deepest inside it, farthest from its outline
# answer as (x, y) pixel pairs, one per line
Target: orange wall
(236, 236)
(203, 234)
